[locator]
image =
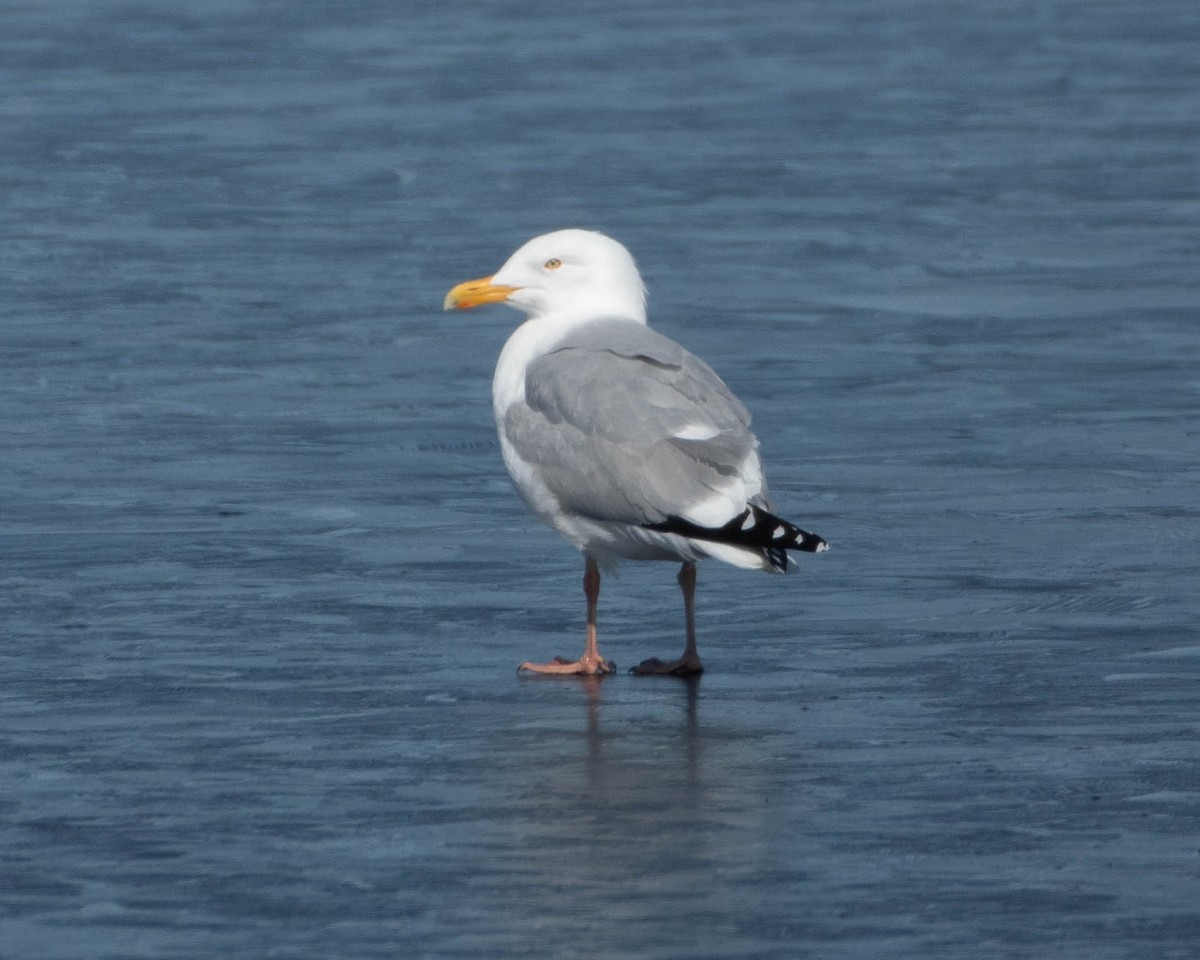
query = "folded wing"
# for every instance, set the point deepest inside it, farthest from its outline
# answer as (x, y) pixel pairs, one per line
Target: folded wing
(625, 425)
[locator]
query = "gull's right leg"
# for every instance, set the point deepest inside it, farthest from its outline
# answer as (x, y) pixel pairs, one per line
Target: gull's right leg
(591, 662)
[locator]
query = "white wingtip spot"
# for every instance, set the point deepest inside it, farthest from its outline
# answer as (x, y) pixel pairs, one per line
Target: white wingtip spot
(779, 532)
(822, 547)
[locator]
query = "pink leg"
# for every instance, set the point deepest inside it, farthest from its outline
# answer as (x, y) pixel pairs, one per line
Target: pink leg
(689, 663)
(591, 662)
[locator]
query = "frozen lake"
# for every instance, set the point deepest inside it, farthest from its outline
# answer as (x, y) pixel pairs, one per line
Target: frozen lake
(264, 583)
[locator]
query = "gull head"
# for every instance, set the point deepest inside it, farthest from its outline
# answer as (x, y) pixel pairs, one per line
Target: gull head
(569, 274)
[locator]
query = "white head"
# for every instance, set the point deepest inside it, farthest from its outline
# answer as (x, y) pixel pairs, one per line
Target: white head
(565, 274)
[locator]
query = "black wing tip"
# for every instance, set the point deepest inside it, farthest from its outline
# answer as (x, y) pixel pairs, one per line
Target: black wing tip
(811, 543)
(778, 559)
(753, 528)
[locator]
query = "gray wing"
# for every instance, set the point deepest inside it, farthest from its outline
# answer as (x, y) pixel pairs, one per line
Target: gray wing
(624, 424)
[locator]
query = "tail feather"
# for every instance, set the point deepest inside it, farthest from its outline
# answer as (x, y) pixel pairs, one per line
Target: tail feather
(753, 528)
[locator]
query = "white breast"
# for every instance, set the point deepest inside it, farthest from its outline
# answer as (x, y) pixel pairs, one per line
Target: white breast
(528, 342)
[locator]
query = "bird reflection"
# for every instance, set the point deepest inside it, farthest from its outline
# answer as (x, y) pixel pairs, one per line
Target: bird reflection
(688, 742)
(623, 796)
(640, 762)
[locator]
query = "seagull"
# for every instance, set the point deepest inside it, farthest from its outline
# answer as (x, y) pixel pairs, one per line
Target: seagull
(617, 437)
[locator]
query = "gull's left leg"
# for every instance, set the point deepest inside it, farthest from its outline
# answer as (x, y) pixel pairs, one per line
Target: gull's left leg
(689, 663)
(591, 662)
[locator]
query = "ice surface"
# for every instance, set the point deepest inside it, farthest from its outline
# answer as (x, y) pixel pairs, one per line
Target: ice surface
(264, 585)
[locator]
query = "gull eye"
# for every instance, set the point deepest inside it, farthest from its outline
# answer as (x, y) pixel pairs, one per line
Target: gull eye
(552, 264)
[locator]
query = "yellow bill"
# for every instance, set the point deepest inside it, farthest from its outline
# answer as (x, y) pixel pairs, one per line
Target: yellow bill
(473, 293)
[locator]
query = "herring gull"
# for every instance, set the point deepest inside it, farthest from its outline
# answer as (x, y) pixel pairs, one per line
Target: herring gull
(619, 438)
